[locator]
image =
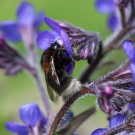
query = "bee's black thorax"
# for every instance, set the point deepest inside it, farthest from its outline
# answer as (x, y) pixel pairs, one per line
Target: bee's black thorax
(64, 82)
(60, 60)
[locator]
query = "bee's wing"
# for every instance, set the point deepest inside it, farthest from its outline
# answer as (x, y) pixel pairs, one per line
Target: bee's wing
(53, 71)
(50, 90)
(53, 75)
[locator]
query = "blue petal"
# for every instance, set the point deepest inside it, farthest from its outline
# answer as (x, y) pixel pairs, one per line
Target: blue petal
(99, 131)
(39, 19)
(26, 13)
(51, 23)
(131, 106)
(113, 21)
(69, 68)
(129, 49)
(105, 6)
(132, 66)
(116, 120)
(66, 42)
(46, 38)
(43, 121)
(17, 128)
(10, 31)
(30, 114)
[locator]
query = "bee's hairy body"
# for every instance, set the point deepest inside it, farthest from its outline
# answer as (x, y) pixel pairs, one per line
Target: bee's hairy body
(53, 63)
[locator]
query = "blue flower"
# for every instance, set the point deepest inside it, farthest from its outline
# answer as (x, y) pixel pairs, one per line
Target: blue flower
(114, 121)
(129, 49)
(26, 17)
(108, 7)
(31, 116)
(46, 38)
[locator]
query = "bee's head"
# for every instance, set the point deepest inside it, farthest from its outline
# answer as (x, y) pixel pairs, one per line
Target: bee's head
(57, 45)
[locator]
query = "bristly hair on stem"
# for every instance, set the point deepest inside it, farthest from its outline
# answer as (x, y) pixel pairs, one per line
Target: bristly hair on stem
(66, 106)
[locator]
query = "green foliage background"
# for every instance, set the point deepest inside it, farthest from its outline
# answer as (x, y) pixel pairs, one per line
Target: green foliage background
(19, 90)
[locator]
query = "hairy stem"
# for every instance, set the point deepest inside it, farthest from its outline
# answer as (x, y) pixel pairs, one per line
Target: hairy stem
(66, 106)
(123, 17)
(43, 94)
(111, 44)
(40, 86)
(119, 129)
(131, 19)
(33, 56)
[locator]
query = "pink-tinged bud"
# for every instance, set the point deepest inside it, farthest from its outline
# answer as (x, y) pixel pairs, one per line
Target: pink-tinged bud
(108, 91)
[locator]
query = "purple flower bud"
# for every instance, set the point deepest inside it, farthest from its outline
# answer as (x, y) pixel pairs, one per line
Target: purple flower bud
(30, 114)
(84, 53)
(108, 91)
(10, 59)
(105, 105)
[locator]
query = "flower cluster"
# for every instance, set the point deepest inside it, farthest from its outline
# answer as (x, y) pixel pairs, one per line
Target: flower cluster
(27, 22)
(34, 120)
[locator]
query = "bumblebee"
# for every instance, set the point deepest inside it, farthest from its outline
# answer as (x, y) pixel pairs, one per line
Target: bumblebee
(54, 62)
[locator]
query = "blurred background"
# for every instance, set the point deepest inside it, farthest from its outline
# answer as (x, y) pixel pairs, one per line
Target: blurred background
(19, 90)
